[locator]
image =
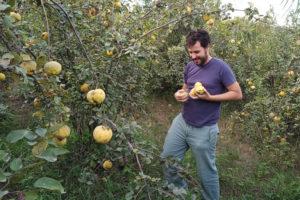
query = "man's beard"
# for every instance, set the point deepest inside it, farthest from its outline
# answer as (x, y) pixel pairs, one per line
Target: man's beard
(202, 59)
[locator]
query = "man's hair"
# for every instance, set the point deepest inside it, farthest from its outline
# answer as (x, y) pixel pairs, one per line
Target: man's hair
(200, 35)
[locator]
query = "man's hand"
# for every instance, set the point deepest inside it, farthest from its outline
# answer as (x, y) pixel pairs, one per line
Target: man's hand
(181, 96)
(204, 96)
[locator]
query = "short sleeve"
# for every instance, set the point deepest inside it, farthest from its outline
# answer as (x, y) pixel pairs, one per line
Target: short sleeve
(227, 76)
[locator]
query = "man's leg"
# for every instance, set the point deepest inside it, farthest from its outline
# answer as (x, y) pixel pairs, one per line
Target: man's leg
(203, 144)
(175, 145)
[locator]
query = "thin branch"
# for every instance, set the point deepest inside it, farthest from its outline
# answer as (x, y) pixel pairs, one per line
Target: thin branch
(48, 30)
(159, 27)
(143, 17)
(136, 156)
(81, 44)
(137, 194)
(5, 42)
(174, 21)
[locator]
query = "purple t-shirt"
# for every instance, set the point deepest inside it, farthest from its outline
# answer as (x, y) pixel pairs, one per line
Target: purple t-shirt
(215, 76)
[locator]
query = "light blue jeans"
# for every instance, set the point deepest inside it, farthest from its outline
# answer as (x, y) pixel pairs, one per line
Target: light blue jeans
(202, 141)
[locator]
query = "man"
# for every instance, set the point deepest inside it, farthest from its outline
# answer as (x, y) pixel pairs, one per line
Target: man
(196, 126)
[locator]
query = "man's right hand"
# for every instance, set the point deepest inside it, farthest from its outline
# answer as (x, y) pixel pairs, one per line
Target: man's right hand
(181, 96)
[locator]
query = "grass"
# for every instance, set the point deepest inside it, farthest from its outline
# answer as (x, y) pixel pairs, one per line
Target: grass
(243, 173)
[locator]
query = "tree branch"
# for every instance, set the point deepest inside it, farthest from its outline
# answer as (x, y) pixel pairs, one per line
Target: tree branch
(174, 21)
(48, 30)
(136, 156)
(81, 44)
(5, 41)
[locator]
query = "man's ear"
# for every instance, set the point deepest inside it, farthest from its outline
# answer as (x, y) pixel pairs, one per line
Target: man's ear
(208, 46)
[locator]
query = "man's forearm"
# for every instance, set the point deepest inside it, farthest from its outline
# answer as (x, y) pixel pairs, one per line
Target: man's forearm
(227, 96)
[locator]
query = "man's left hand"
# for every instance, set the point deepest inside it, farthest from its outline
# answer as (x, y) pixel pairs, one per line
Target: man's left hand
(204, 96)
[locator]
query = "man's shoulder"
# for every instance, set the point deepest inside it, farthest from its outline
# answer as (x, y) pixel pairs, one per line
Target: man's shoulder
(219, 61)
(220, 64)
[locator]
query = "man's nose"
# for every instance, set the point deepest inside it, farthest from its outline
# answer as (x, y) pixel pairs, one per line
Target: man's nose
(192, 55)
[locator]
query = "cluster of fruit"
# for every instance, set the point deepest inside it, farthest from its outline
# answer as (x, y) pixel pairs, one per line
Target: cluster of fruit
(102, 134)
(60, 136)
(198, 88)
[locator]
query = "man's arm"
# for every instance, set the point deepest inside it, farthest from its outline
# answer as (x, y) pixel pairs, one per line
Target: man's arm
(185, 86)
(234, 93)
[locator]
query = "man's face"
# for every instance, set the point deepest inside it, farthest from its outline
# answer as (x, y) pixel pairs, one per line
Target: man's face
(198, 54)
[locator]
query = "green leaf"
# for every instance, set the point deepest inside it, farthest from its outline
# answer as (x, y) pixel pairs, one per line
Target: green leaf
(16, 135)
(2, 154)
(3, 193)
(4, 62)
(53, 129)
(25, 57)
(41, 60)
(49, 184)
(8, 56)
(7, 22)
(41, 132)
(3, 7)
(39, 148)
(31, 143)
(31, 195)
(12, 3)
(51, 154)
(30, 135)
(16, 164)
(21, 70)
(57, 100)
(17, 177)
(58, 151)
(2, 177)
(48, 155)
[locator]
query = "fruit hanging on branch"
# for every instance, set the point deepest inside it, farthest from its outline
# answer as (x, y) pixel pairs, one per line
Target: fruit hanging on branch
(107, 165)
(44, 35)
(84, 87)
(96, 96)
(63, 132)
(59, 142)
(30, 66)
(102, 134)
(16, 16)
(2, 77)
(52, 68)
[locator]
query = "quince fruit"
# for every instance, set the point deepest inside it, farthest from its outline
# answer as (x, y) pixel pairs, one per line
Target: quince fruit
(107, 165)
(276, 119)
(102, 134)
(210, 22)
(52, 68)
(30, 66)
(16, 16)
(36, 103)
(44, 35)
(63, 132)
(192, 93)
(206, 17)
(199, 88)
(84, 87)
(96, 96)
(118, 4)
(188, 10)
(282, 93)
(59, 142)
(2, 77)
